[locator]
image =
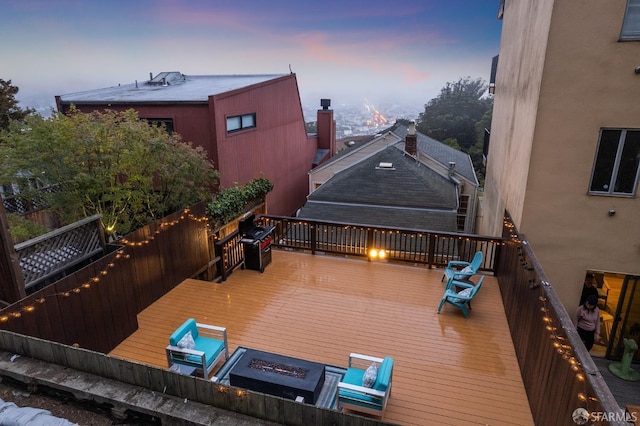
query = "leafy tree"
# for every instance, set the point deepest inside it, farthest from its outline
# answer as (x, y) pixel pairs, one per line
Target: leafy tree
(9, 109)
(453, 114)
(23, 229)
(111, 163)
(403, 121)
(476, 151)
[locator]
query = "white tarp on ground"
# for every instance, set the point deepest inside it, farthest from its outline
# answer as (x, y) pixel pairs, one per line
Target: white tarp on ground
(12, 415)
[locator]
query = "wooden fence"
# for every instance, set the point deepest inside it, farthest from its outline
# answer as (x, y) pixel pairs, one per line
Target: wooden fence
(557, 370)
(163, 381)
(96, 307)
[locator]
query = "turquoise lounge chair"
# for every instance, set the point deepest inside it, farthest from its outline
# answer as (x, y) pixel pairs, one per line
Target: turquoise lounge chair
(461, 270)
(462, 298)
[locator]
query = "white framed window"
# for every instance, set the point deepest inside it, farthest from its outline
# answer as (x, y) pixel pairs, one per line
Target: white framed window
(615, 169)
(241, 122)
(631, 22)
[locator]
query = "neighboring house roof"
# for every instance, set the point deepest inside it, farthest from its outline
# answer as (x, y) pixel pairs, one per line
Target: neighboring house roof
(428, 147)
(176, 87)
(350, 142)
(408, 195)
(439, 152)
(320, 154)
(347, 151)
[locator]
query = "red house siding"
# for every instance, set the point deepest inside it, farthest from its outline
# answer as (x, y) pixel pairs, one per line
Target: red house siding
(277, 148)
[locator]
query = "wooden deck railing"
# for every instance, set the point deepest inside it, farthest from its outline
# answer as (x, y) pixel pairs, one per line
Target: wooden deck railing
(557, 370)
(431, 249)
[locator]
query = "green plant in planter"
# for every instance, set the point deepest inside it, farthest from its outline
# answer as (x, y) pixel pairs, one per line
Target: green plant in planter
(232, 202)
(22, 229)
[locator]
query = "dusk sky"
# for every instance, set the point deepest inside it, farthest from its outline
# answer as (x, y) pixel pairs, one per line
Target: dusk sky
(349, 50)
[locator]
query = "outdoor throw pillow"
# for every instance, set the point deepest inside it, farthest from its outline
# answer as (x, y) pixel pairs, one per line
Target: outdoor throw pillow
(465, 293)
(370, 376)
(466, 270)
(187, 342)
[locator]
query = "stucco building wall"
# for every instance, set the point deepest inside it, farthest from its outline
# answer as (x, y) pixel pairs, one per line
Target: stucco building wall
(543, 145)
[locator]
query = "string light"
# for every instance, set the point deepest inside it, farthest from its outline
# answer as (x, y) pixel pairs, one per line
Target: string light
(119, 255)
(559, 343)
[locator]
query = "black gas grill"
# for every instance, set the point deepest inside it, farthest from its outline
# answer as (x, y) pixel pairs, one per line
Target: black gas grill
(256, 243)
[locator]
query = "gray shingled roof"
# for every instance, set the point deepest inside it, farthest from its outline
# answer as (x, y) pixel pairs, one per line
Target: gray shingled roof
(409, 195)
(439, 152)
(432, 148)
(381, 216)
(179, 88)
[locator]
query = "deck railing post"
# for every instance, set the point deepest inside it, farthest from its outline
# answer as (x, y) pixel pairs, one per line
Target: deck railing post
(314, 239)
(431, 251)
(221, 255)
(369, 242)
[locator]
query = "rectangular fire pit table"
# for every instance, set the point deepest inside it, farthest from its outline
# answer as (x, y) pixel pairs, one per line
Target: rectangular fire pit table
(278, 375)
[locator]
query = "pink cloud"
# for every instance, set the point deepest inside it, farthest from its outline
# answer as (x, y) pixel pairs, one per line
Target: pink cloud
(316, 46)
(413, 75)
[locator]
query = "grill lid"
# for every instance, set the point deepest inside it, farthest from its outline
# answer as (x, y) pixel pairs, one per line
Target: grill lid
(247, 224)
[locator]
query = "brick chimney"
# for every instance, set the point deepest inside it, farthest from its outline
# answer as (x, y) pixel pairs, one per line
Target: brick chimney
(326, 128)
(411, 140)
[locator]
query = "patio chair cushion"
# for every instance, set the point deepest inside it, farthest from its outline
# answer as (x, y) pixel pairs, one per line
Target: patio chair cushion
(211, 348)
(354, 376)
(384, 374)
(370, 375)
(188, 326)
(464, 293)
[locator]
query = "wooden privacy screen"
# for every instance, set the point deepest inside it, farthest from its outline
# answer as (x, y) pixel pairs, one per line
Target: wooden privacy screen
(96, 307)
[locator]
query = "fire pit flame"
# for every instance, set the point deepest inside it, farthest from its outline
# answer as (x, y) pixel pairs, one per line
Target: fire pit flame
(287, 370)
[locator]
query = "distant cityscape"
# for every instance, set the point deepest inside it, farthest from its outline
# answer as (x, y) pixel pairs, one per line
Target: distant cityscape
(352, 119)
(364, 118)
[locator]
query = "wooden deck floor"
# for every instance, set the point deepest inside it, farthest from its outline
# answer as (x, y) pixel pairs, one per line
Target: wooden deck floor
(448, 369)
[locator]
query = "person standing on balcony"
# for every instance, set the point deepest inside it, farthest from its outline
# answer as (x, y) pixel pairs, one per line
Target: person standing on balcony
(588, 288)
(587, 321)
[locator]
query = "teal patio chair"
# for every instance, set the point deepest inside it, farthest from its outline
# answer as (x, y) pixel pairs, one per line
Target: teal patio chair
(461, 299)
(353, 391)
(197, 345)
(461, 270)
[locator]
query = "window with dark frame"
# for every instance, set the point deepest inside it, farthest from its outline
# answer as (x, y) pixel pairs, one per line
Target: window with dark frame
(631, 22)
(167, 123)
(615, 171)
(236, 123)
